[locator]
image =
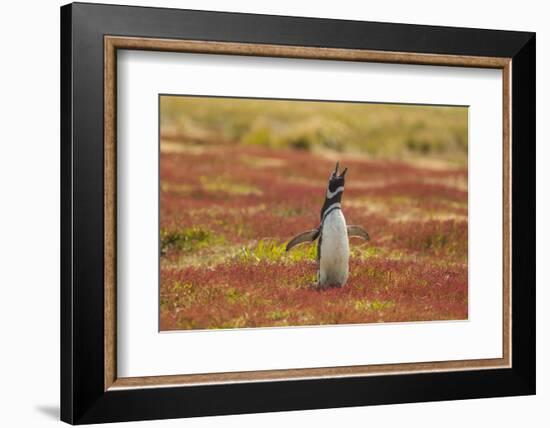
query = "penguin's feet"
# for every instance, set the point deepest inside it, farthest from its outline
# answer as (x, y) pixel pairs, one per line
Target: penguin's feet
(322, 287)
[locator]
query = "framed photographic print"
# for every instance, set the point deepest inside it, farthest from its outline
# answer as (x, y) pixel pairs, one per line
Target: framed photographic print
(265, 213)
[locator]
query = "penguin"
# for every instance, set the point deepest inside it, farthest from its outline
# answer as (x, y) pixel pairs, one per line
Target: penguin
(333, 236)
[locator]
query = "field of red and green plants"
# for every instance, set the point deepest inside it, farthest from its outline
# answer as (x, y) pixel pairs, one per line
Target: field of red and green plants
(239, 180)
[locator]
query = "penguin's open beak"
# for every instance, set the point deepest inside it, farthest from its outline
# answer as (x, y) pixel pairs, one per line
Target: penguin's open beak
(335, 173)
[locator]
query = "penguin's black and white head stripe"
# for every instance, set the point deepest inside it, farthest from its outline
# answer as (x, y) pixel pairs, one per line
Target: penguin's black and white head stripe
(335, 189)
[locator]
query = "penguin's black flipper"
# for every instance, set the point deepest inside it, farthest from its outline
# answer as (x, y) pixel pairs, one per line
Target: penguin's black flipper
(359, 232)
(309, 236)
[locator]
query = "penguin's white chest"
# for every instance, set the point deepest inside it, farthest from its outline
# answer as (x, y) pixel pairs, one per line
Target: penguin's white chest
(334, 248)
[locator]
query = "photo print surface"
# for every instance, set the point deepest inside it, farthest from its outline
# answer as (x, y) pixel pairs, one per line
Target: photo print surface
(280, 213)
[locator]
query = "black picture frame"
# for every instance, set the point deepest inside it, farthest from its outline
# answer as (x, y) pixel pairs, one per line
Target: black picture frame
(83, 398)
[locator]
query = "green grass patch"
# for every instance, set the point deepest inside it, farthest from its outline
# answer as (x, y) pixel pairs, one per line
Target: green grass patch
(372, 305)
(273, 251)
(233, 296)
(175, 187)
(188, 239)
(364, 251)
(279, 315)
(436, 241)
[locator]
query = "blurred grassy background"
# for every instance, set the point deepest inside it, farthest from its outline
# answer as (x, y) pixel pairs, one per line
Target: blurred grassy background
(378, 130)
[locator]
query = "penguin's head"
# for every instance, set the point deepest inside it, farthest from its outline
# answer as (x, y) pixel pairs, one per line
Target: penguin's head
(337, 180)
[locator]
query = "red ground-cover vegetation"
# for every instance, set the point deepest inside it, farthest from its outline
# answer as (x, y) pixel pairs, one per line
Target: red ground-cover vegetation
(228, 210)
